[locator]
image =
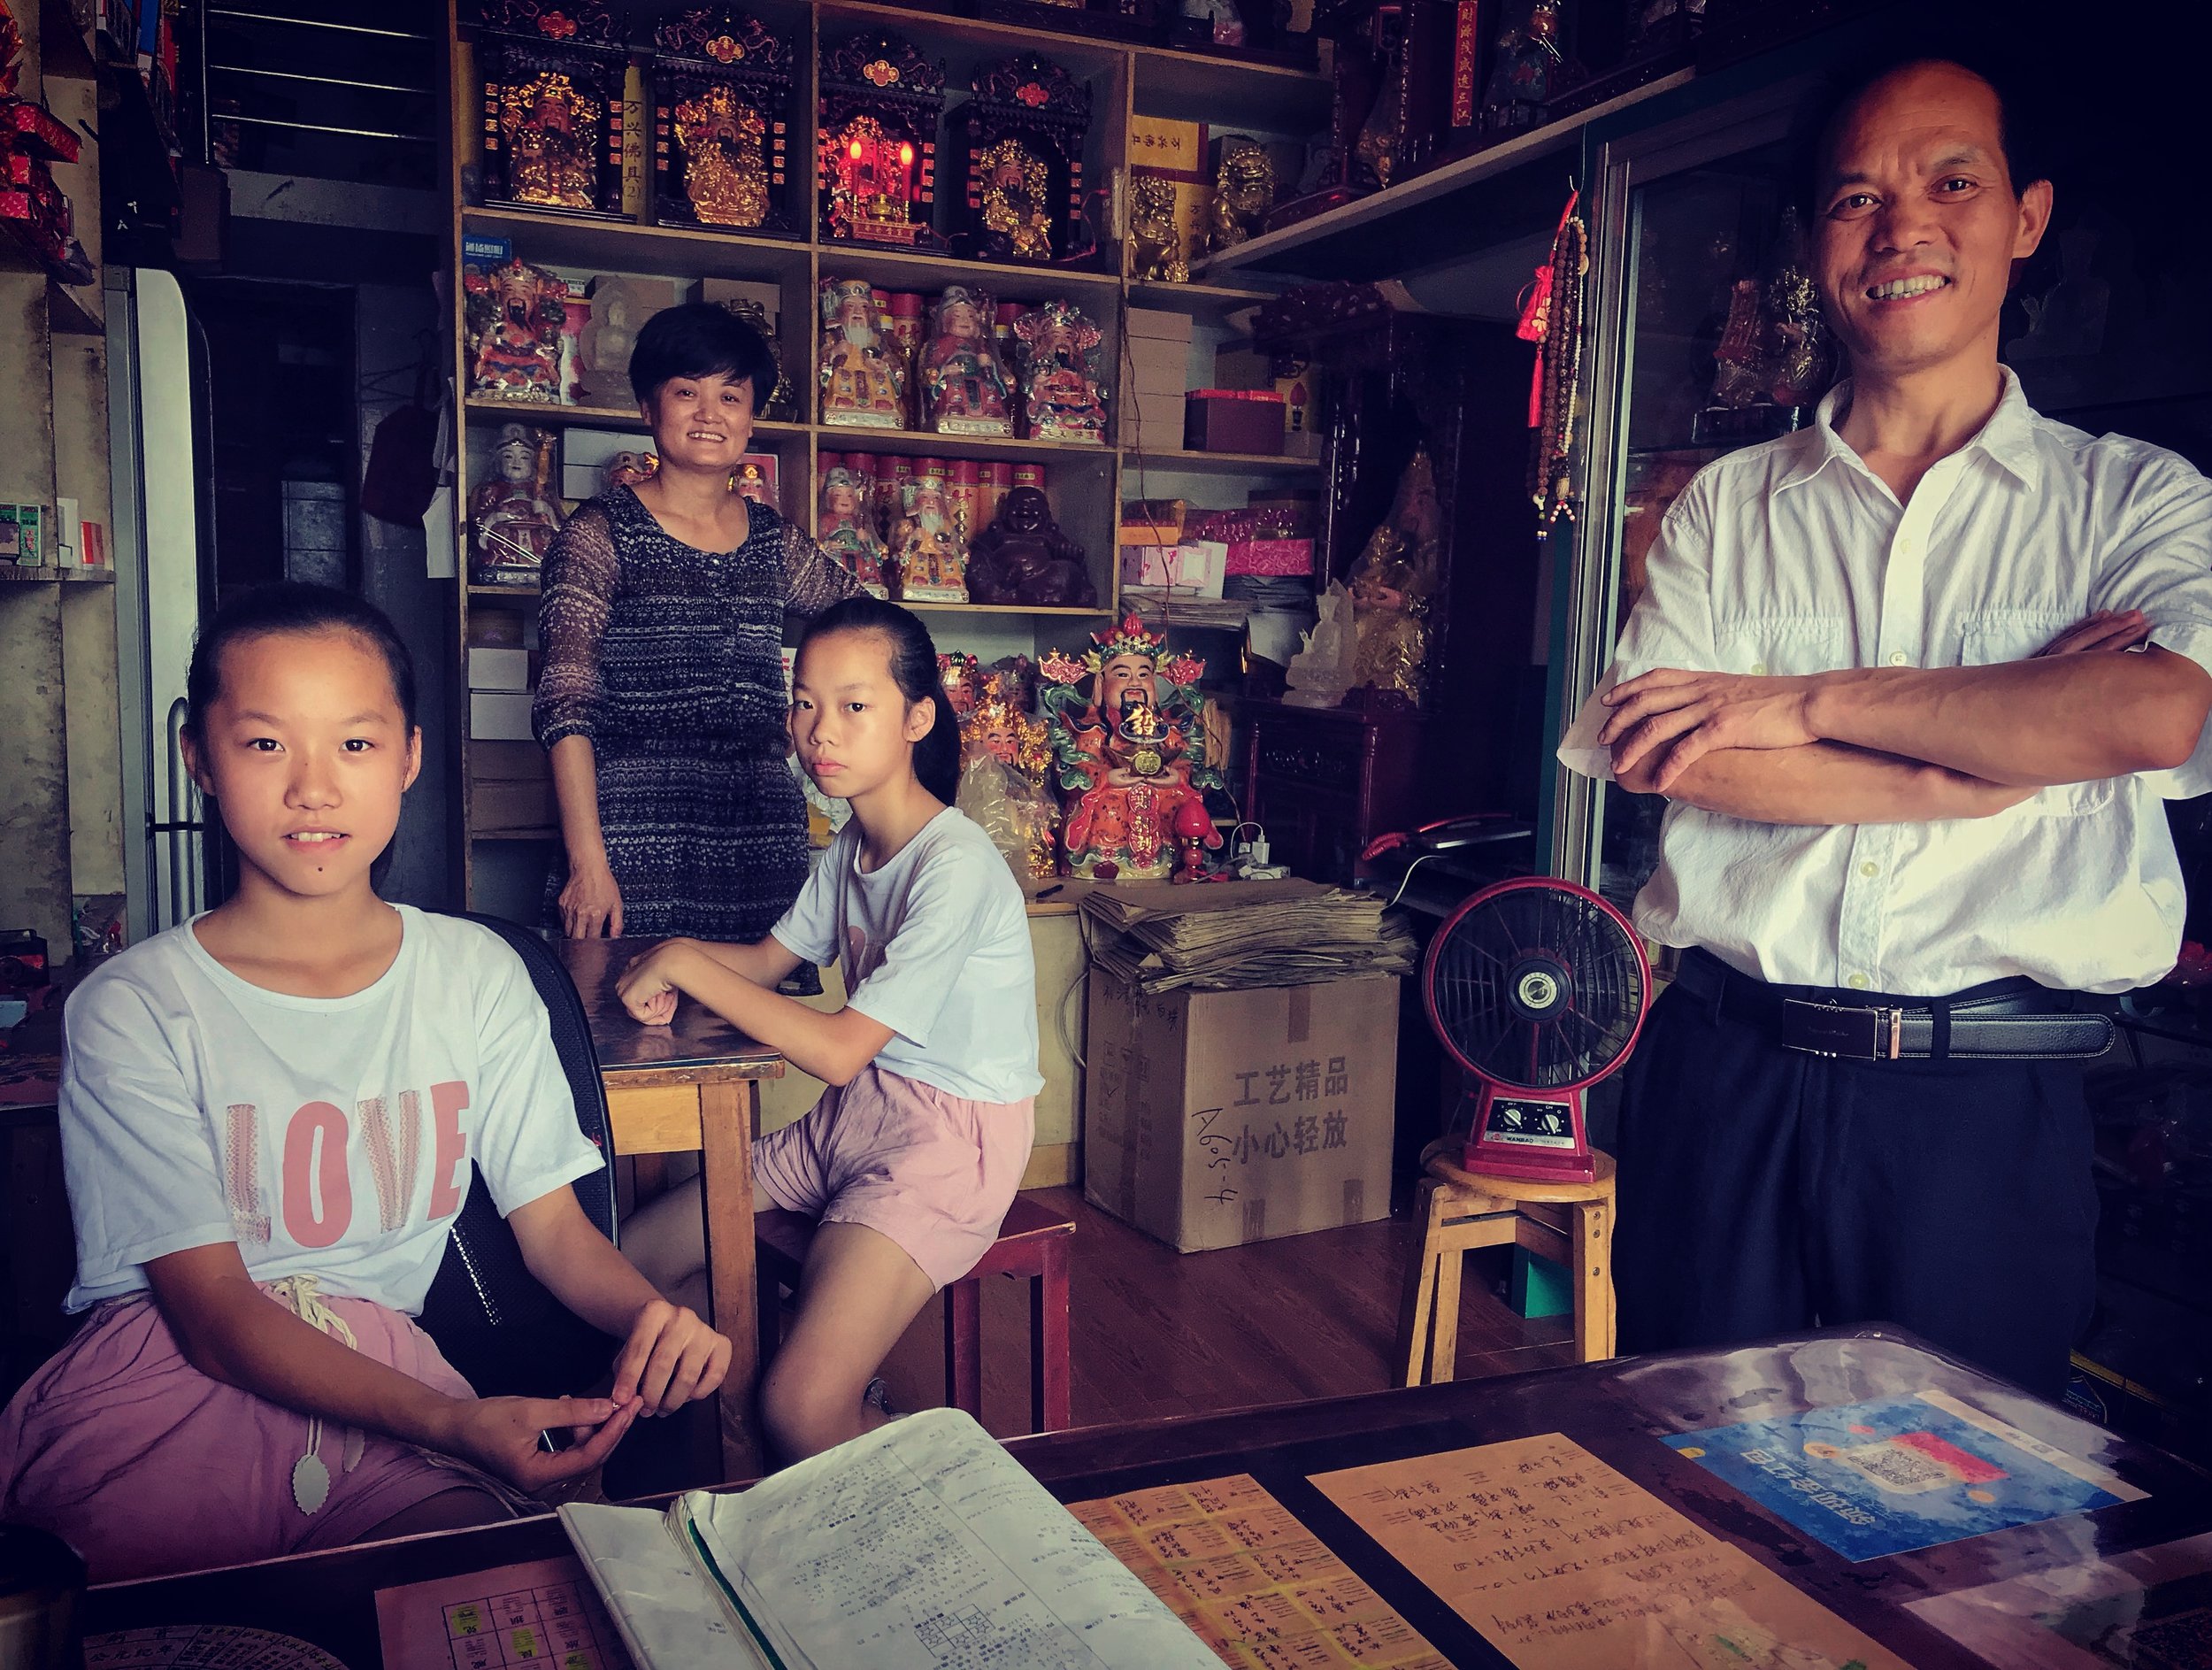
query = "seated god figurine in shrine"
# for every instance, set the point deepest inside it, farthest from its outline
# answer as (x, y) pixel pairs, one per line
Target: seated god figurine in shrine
(1023, 557)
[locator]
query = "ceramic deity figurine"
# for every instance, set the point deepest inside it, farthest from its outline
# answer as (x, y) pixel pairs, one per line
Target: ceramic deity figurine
(861, 385)
(513, 515)
(1063, 388)
(1023, 557)
(965, 387)
(516, 313)
(925, 548)
(1129, 744)
(846, 529)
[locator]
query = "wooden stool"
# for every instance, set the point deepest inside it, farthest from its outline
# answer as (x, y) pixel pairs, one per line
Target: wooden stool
(1571, 1223)
(1033, 1244)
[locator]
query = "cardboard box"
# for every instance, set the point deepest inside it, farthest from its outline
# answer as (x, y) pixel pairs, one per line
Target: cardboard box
(1215, 1118)
(1192, 569)
(1153, 422)
(499, 669)
(507, 762)
(500, 716)
(1156, 366)
(1160, 144)
(1155, 324)
(512, 805)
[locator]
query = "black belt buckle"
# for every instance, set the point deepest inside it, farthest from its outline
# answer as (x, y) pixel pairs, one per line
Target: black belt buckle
(1843, 1033)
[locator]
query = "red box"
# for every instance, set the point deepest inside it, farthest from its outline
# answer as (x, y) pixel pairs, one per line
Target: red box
(1271, 557)
(34, 128)
(1233, 420)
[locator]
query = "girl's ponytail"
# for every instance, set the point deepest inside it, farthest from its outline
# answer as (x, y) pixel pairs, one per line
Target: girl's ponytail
(914, 670)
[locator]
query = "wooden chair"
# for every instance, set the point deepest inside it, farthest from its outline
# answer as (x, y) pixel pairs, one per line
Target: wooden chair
(1033, 1244)
(1457, 1210)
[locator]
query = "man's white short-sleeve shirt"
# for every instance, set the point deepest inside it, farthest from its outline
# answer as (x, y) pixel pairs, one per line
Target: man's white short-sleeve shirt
(1795, 557)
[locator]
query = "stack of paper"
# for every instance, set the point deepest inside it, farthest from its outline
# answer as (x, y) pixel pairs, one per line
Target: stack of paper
(1244, 935)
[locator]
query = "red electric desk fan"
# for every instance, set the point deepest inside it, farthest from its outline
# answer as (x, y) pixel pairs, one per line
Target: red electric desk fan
(1538, 988)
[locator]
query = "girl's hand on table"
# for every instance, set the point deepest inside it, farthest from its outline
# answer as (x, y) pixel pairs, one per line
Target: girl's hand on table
(648, 986)
(671, 1358)
(591, 902)
(501, 1435)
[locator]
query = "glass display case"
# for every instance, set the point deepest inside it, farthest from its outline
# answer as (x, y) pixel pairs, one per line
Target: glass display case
(1693, 351)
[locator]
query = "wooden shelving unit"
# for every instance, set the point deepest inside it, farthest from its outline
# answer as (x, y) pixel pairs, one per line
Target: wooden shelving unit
(1318, 246)
(1085, 482)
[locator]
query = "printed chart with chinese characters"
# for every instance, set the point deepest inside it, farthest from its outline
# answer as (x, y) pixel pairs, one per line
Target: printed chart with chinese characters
(1252, 1582)
(542, 1613)
(202, 1647)
(1561, 1563)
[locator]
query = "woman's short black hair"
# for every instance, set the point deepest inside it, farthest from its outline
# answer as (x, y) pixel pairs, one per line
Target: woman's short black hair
(699, 340)
(292, 606)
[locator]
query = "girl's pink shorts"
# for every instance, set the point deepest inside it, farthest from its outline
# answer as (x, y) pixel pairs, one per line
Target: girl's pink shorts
(145, 1466)
(933, 1172)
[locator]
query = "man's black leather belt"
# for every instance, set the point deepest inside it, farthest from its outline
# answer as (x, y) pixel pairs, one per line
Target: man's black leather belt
(2014, 1020)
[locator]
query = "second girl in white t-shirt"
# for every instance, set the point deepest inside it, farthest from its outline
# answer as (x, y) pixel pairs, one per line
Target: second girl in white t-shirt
(912, 1157)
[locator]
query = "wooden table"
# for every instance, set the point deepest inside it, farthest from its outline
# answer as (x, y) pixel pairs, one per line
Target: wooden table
(1618, 1410)
(692, 1086)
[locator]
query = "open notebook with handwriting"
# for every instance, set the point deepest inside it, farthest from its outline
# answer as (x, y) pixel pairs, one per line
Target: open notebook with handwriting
(923, 1543)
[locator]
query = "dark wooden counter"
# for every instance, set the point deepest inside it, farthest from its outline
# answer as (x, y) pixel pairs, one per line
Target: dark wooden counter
(1618, 1410)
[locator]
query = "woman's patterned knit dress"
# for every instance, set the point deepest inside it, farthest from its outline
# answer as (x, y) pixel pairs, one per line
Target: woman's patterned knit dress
(668, 659)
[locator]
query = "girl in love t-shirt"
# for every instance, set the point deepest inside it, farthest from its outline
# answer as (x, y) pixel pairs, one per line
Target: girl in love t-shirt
(330, 1136)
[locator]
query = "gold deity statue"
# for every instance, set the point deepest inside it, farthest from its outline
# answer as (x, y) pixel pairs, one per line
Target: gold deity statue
(547, 125)
(725, 163)
(1016, 223)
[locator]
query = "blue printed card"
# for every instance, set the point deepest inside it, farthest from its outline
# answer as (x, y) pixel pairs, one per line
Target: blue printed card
(1880, 1478)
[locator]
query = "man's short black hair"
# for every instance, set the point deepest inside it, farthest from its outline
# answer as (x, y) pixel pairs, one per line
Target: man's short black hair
(2020, 128)
(699, 340)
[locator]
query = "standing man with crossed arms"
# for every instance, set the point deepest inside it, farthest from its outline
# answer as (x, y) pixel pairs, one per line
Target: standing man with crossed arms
(1915, 680)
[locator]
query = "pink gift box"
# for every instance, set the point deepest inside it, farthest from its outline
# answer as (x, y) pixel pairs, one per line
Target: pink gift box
(1271, 557)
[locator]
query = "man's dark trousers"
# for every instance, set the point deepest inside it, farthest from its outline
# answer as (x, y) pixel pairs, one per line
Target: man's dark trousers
(1764, 1191)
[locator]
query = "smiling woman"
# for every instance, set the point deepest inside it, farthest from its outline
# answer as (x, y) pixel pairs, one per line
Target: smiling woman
(661, 697)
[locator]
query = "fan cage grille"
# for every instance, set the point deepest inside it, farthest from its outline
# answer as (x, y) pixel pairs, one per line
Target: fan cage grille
(1473, 965)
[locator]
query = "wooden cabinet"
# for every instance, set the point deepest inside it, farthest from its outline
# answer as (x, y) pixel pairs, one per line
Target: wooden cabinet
(1386, 383)
(1323, 782)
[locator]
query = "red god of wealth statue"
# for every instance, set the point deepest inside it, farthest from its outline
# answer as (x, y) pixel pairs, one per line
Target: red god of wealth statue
(1123, 722)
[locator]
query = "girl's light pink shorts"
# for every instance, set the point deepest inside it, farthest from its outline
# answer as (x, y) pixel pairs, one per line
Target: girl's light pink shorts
(146, 1465)
(932, 1171)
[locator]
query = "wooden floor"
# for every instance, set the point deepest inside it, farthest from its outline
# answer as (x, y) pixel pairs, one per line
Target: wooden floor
(1156, 1331)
